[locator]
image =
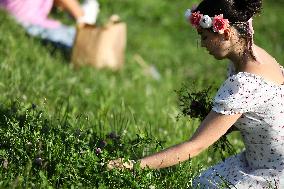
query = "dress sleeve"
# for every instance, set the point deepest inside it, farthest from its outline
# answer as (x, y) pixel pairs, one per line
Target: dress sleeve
(238, 94)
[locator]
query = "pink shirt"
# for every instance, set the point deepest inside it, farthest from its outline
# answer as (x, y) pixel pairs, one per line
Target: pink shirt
(33, 12)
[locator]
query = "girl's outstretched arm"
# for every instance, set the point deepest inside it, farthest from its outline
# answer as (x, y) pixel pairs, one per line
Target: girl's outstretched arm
(72, 6)
(211, 129)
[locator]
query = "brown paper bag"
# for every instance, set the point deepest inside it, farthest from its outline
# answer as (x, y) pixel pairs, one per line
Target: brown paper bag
(101, 47)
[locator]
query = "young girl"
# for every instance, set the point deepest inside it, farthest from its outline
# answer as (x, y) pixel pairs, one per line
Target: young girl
(33, 16)
(252, 99)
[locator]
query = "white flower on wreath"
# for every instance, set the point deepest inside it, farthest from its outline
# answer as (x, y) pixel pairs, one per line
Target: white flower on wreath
(206, 21)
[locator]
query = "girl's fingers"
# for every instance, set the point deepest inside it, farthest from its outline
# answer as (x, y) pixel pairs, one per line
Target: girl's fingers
(120, 164)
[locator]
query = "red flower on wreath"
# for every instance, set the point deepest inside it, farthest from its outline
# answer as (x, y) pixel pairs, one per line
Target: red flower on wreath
(195, 19)
(220, 24)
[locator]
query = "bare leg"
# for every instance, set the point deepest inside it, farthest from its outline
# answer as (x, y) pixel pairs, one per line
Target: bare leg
(72, 6)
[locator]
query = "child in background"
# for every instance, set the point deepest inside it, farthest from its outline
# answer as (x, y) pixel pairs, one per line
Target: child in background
(252, 99)
(33, 16)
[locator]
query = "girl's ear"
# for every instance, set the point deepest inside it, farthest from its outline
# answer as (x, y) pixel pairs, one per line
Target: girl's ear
(227, 34)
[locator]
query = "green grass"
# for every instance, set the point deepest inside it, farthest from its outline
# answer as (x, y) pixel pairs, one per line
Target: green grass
(98, 102)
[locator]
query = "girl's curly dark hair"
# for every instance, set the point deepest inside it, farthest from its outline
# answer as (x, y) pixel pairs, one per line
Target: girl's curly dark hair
(238, 12)
(234, 10)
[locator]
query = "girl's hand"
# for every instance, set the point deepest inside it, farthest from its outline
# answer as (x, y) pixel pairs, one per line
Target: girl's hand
(120, 163)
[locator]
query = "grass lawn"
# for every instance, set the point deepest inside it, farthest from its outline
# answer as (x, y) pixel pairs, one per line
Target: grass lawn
(54, 118)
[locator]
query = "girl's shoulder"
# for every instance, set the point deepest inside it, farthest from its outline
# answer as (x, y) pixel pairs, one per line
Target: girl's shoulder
(248, 79)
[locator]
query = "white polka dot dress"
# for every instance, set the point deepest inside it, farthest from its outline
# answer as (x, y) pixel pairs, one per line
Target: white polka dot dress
(261, 165)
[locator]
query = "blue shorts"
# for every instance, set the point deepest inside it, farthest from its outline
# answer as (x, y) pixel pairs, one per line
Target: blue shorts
(63, 36)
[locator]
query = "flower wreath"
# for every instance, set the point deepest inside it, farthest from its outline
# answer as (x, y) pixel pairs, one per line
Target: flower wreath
(218, 23)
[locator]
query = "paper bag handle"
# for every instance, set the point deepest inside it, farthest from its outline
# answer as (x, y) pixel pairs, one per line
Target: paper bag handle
(113, 19)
